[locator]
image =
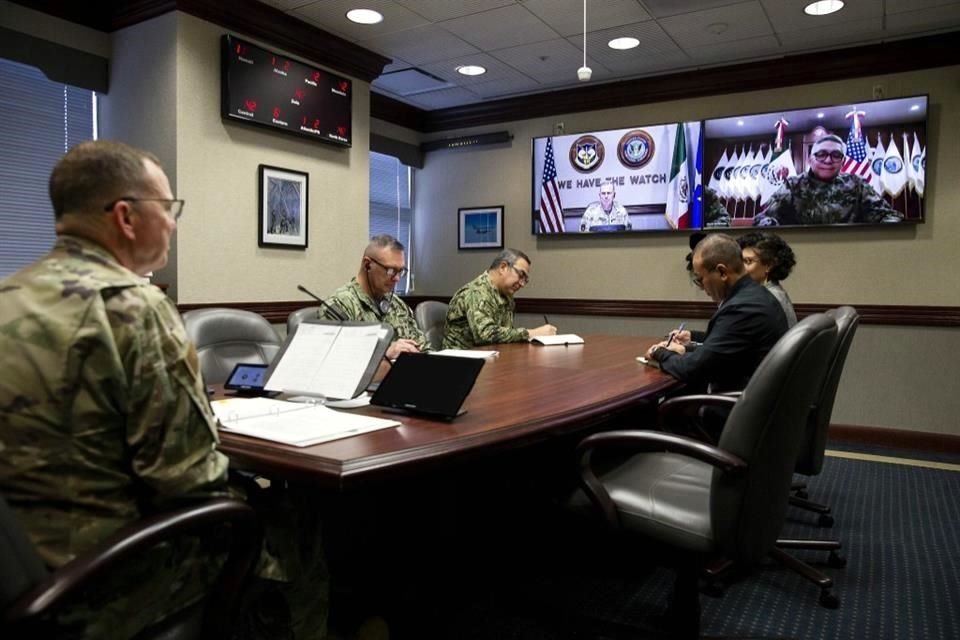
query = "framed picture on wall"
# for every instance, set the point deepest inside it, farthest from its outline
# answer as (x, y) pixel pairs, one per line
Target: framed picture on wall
(481, 228)
(283, 210)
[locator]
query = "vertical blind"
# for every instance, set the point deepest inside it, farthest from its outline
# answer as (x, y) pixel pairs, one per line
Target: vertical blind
(41, 120)
(390, 211)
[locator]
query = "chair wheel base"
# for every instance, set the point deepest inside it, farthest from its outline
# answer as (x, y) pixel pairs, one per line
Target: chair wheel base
(828, 600)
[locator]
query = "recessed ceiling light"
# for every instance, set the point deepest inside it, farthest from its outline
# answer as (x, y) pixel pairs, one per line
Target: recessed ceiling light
(471, 70)
(739, 123)
(623, 43)
(823, 7)
(820, 115)
(915, 107)
(364, 16)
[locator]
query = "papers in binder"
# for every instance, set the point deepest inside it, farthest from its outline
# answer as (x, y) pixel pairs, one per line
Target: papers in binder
(329, 360)
(560, 338)
(297, 424)
(467, 353)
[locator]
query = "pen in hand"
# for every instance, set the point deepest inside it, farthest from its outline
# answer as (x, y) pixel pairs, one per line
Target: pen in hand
(545, 320)
(674, 333)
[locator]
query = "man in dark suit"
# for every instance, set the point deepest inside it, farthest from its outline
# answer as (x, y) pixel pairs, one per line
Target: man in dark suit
(747, 324)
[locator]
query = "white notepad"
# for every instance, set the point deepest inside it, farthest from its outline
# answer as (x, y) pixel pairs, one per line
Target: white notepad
(293, 423)
(466, 353)
(560, 338)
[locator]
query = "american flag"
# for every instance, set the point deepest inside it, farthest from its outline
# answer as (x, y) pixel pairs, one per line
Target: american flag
(858, 157)
(551, 209)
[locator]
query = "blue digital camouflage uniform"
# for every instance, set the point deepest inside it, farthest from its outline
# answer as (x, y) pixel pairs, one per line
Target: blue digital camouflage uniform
(480, 315)
(806, 199)
(353, 301)
(103, 417)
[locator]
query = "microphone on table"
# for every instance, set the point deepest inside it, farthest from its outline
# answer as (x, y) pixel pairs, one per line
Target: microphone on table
(336, 313)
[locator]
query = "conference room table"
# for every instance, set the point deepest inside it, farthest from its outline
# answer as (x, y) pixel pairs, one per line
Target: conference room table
(526, 395)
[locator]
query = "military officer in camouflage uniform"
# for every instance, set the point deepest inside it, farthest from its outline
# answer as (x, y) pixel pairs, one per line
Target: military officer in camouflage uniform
(369, 296)
(605, 211)
(104, 417)
(824, 195)
(481, 312)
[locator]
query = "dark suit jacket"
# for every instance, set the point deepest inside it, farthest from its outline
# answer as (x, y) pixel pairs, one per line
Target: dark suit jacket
(745, 327)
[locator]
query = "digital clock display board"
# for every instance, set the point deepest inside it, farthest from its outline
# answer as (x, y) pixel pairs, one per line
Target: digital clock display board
(272, 90)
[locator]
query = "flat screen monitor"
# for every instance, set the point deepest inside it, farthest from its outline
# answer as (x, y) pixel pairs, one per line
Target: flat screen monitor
(631, 180)
(267, 89)
(783, 168)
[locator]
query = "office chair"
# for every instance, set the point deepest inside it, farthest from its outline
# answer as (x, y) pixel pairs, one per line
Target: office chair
(810, 462)
(298, 316)
(30, 594)
(694, 501)
(226, 337)
(432, 318)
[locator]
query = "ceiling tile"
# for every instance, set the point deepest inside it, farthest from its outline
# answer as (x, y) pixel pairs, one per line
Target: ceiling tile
(548, 61)
(733, 22)
(736, 51)
(898, 6)
(788, 15)
(934, 18)
(654, 43)
(331, 15)
(439, 10)
(663, 8)
(443, 98)
(408, 82)
(506, 87)
(500, 28)
(566, 16)
(420, 45)
(496, 70)
(834, 35)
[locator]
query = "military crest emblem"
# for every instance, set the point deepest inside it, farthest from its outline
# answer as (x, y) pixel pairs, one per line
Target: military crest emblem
(635, 149)
(586, 153)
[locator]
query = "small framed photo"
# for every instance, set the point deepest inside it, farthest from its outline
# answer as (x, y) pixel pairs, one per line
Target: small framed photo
(283, 208)
(481, 228)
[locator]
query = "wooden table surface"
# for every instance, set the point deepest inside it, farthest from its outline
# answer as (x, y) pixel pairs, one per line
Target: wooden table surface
(526, 395)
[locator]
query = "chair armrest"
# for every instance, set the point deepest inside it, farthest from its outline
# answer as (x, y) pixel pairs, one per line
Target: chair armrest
(129, 542)
(641, 441)
(690, 406)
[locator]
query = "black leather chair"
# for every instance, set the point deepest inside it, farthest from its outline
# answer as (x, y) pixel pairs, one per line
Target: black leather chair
(432, 319)
(298, 316)
(226, 337)
(694, 501)
(30, 594)
(810, 462)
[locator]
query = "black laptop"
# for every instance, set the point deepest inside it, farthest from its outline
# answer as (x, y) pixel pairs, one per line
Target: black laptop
(428, 385)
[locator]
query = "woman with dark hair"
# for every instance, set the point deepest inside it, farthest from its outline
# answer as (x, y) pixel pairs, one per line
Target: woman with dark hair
(769, 260)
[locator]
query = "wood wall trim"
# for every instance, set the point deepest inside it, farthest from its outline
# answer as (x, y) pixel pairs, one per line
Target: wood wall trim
(897, 438)
(823, 66)
(896, 315)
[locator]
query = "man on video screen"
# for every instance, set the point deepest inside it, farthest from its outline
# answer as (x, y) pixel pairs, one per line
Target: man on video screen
(605, 214)
(824, 195)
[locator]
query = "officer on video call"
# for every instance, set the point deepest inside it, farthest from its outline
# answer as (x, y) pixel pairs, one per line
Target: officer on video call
(606, 211)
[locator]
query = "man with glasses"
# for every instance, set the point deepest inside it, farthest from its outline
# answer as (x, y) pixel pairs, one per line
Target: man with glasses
(824, 195)
(747, 324)
(481, 312)
(369, 296)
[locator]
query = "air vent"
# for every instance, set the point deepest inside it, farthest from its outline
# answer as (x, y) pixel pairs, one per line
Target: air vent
(410, 82)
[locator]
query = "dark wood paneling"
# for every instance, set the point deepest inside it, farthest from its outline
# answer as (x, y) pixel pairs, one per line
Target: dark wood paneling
(899, 315)
(897, 438)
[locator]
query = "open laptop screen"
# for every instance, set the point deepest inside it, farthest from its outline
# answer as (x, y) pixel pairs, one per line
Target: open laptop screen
(428, 384)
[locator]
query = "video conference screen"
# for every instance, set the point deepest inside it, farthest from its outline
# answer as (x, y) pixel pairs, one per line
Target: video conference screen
(268, 89)
(629, 180)
(852, 163)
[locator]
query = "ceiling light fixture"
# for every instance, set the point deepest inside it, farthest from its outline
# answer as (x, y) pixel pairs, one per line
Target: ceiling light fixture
(823, 7)
(364, 16)
(622, 44)
(584, 72)
(471, 70)
(717, 28)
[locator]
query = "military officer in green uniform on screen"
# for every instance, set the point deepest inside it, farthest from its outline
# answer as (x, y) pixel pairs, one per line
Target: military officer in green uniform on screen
(104, 416)
(823, 195)
(369, 296)
(481, 311)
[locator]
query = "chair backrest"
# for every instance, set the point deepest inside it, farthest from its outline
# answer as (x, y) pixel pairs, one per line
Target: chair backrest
(810, 461)
(765, 428)
(226, 337)
(432, 319)
(298, 316)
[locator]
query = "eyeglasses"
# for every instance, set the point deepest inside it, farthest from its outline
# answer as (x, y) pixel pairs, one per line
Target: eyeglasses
(173, 207)
(836, 156)
(698, 279)
(523, 275)
(392, 272)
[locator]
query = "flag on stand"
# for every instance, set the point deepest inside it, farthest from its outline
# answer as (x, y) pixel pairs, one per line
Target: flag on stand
(551, 209)
(697, 219)
(892, 175)
(908, 165)
(920, 168)
(876, 165)
(716, 178)
(726, 185)
(858, 158)
(780, 168)
(678, 189)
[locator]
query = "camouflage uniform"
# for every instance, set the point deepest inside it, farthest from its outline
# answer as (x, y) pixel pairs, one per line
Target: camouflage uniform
(357, 305)
(808, 200)
(103, 417)
(479, 314)
(595, 216)
(714, 213)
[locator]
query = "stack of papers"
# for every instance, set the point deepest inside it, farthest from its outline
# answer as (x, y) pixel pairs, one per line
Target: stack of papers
(560, 338)
(297, 424)
(467, 353)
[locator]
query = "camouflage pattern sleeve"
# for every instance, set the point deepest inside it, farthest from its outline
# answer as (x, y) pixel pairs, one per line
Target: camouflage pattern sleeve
(404, 324)
(354, 303)
(479, 315)
(779, 208)
(171, 430)
(873, 208)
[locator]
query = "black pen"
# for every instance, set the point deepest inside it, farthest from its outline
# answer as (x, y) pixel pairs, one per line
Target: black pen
(545, 320)
(674, 333)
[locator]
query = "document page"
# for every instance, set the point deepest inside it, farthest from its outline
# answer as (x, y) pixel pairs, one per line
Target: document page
(560, 338)
(467, 353)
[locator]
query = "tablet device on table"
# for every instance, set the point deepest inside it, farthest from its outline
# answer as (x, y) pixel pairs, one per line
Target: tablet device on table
(247, 378)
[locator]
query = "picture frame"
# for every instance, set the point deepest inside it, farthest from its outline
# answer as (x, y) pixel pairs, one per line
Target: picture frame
(284, 208)
(480, 228)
